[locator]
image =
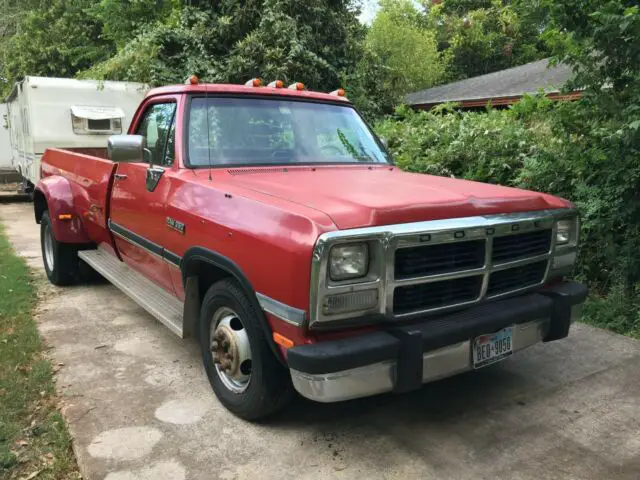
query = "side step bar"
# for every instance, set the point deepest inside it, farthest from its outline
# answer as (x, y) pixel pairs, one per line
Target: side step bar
(154, 299)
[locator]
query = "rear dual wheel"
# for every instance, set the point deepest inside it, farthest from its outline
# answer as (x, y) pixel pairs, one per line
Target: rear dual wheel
(60, 259)
(244, 373)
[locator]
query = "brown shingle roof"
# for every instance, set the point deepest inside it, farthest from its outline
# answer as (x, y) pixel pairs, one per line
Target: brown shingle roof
(512, 82)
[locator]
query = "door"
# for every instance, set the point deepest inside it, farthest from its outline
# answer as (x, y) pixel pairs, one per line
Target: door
(138, 217)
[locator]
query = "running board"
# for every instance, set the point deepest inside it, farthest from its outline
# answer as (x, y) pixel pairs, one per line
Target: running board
(154, 299)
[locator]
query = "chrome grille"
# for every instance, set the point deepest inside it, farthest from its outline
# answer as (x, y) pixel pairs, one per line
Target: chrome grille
(458, 272)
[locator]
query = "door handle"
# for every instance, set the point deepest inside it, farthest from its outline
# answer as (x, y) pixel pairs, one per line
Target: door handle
(120, 176)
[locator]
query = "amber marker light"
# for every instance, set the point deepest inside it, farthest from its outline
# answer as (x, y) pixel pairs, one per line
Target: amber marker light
(254, 82)
(282, 340)
(192, 80)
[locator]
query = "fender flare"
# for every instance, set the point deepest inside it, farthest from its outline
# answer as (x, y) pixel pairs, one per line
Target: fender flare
(205, 255)
(58, 196)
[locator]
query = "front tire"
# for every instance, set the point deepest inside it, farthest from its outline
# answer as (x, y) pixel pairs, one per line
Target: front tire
(243, 371)
(60, 259)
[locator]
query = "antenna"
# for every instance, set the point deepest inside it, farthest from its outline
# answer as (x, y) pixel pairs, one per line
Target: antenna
(206, 106)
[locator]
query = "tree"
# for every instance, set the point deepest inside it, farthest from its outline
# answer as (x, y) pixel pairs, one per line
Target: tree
(123, 20)
(484, 36)
(57, 38)
(408, 50)
(230, 41)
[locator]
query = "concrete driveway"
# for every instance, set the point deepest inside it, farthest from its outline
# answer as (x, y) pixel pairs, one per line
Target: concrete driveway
(139, 406)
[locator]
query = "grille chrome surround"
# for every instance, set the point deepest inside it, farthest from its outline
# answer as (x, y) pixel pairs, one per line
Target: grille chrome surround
(385, 241)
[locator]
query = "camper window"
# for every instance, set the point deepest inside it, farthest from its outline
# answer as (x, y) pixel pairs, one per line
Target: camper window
(101, 124)
(96, 120)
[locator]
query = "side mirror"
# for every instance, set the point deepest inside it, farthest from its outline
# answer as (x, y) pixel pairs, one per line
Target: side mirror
(127, 148)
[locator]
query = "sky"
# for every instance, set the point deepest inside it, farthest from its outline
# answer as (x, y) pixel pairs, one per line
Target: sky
(369, 9)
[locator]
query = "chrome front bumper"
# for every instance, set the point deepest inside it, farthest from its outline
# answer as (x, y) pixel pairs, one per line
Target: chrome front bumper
(383, 376)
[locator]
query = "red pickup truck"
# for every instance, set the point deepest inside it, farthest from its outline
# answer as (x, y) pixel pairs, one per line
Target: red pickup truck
(271, 224)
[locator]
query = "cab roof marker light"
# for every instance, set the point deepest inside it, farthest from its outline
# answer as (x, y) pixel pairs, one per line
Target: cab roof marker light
(254, 82)
(339, 92)
(296, 86)
(192, 80)
(276, 84)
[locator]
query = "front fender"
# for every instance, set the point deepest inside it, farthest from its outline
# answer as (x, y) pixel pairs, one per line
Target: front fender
(54, 193)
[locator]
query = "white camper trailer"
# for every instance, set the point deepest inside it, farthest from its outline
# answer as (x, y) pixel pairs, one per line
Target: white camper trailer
(65, 113)
(5, 144)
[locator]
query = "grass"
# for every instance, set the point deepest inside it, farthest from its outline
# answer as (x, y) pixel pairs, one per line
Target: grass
(33, 435)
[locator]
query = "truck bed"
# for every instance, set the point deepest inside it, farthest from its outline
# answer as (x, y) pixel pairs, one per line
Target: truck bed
(86, 181)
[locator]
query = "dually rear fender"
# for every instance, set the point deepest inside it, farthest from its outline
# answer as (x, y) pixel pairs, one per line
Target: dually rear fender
(54, 194)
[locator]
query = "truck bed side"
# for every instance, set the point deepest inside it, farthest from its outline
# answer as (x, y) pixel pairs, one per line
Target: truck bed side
(81, 185)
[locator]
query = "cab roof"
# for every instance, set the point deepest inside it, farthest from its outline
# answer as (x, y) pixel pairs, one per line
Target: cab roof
(230, 89)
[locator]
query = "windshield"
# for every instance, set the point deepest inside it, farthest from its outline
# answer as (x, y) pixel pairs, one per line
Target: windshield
(253, 131)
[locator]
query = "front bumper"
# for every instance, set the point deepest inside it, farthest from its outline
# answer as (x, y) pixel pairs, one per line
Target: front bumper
(403, 358)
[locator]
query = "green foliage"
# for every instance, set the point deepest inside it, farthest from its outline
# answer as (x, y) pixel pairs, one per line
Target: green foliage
(232, 42)
(121, 21)
(618, 312)
(408, 51)
(485, 146)
(409, 48)
(483, 36)
(56, 38)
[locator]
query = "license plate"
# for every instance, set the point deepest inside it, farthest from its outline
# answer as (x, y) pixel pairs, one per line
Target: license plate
(491, 348)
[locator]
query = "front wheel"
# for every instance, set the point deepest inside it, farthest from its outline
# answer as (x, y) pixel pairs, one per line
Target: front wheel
(243, 371)
(60, 259)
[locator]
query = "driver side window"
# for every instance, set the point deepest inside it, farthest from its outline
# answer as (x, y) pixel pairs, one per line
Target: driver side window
(157, 126)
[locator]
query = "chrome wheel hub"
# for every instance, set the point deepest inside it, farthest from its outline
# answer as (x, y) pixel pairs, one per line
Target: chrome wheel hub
(230, 349)
(48, 248)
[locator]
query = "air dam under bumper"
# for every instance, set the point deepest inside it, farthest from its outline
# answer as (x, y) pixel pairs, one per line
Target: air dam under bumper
(403, 358)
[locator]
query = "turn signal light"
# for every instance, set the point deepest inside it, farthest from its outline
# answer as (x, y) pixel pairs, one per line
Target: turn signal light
(254, 82)
(65, 216)
(282, 340)
(297, 86)
(276, 84)
(192, 80)
(339, 92)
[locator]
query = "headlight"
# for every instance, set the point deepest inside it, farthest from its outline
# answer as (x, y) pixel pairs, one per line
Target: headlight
(349, 261)
(565, 231)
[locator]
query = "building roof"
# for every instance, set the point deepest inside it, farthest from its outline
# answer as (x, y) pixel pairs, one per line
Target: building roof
(510, 83)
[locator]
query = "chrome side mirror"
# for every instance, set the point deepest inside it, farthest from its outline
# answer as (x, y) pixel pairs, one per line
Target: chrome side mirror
(127, 148)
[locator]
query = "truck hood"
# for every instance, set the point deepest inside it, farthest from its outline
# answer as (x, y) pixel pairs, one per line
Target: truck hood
(360, 196)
